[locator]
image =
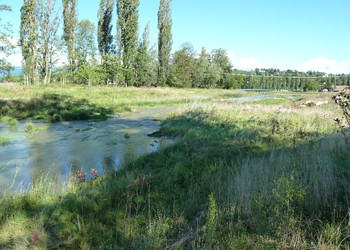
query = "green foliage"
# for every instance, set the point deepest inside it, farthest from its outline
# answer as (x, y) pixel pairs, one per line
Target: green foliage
(4, 140)
(212, 219)
(49, 42)
(201, 68)
(183, 67)
(233, 81)
(53, 107)
(70, 22)
(12, 122)
(104, 27)
(288, 194)
(85, 43)
(5, 68)
(128, 15)
(87, 74)
(212, 213)
(164, 40)
(29, 126)
(328, 85)
(144, 71)
(111, 71)
(220, 58)
(311, 85)
(29, 40)
(343, 101)
(208, 71)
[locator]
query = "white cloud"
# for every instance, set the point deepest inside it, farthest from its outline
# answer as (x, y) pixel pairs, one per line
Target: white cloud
(250, 63)
(325, 65)
(232, 56)
(244, 63)
(14, 59)
(61, 60)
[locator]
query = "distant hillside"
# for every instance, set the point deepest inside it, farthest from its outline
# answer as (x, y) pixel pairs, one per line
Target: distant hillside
(16, 72)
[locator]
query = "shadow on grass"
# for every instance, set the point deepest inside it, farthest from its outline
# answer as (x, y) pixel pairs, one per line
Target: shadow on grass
(52, 108)
(148, 203)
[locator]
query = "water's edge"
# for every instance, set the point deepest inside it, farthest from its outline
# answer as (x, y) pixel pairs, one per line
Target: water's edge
(57, 151)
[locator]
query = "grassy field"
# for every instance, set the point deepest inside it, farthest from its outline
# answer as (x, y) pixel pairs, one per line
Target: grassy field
(260, 175)
(56, 103)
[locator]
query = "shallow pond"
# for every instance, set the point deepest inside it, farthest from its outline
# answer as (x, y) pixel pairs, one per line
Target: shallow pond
(57, 151)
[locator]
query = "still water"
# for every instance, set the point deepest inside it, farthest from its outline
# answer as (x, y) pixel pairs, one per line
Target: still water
(56, 151)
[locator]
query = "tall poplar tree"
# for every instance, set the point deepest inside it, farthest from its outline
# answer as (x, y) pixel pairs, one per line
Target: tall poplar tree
(70, 21)
(128, 16)
(29, 41)
(164, 39)
(104, 28)
(144, 60)
(85, 42)
(48, 23)
(201, 69)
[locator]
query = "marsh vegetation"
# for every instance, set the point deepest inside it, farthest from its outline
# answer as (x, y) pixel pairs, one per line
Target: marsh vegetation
(259, 174)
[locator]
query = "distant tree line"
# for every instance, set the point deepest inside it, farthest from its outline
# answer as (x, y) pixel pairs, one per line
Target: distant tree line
(287, 80)
(127, 59)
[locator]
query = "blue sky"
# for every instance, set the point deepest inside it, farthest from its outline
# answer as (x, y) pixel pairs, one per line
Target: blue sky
(303, 35)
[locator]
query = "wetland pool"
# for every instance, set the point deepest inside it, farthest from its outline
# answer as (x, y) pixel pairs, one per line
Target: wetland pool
(57, 151)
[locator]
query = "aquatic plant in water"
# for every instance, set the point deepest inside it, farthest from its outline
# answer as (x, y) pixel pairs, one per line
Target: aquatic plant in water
(12, 122)
(29, 127)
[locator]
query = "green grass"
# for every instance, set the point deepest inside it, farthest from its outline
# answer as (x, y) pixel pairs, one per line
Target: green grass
(52, 107)
(56, 103)
(239, 176)
(4, 140)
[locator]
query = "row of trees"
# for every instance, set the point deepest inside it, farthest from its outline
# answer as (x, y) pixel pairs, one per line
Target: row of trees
(123, 57)
(277, 83)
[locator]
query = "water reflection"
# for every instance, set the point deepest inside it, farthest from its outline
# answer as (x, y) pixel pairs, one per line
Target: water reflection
(108, 164)
(58, 150)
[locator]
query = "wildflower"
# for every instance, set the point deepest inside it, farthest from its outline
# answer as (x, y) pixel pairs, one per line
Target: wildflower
(94, 173)
(81, 176)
